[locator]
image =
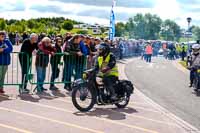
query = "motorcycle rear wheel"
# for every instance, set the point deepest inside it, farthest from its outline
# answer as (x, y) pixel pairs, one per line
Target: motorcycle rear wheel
(124, 103)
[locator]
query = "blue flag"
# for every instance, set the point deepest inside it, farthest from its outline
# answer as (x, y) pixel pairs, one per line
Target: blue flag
(112, 23)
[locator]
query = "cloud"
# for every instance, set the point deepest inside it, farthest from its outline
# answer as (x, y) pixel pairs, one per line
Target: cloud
(189, 6)
(194, 10)
(19, 7)
(12, 7)
(98, 11)
(103, 14)
(188, 2)
(121, 3)
(49, 8)
(7, 6)
(86, 11)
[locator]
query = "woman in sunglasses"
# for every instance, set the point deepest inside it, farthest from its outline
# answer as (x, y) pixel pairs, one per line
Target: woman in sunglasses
(55, 61)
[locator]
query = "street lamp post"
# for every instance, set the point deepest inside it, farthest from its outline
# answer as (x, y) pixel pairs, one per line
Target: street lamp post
(166, 32)
(189, 19)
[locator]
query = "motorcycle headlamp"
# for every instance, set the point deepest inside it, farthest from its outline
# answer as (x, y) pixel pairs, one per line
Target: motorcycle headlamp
(198, 71)
(84, 76)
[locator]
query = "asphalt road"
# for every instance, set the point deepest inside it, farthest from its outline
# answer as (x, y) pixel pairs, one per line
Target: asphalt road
(166, 83)
(53, 112)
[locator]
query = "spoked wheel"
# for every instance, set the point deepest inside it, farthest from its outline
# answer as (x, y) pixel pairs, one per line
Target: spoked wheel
(83, 98)
(123, 103)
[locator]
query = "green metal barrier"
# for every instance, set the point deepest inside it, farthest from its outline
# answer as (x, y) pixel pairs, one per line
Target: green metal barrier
(23, 68)
(13, 75)
(69, 68)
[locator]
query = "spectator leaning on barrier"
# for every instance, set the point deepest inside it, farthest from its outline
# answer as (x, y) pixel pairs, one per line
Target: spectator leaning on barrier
(55, 61)
(67, 36)
(5, 50)
(92, 46)
(89, 56)
(67, 62)
(85, 53)
(83, 47)
(75, 62)
(42, 60)
(97, 43)
(93, 51)
(25, 58)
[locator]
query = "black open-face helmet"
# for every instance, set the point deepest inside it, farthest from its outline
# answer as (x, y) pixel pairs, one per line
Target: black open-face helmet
(104, 49)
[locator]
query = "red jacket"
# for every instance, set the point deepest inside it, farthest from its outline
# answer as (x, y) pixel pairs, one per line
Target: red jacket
(42, 58)
(149, 49)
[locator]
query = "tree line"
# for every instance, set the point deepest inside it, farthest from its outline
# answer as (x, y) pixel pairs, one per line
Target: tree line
(46, 25)
(147, 26)
(152, 27)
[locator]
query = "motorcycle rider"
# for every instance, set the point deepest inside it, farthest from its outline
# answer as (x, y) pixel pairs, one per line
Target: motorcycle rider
(107, 68)
(194, 62)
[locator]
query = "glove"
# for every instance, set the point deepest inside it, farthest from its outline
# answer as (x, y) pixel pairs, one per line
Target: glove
(52, 53)
(104, 70)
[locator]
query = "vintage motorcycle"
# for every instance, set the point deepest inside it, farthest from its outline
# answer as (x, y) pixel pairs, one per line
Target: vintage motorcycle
(90, 90)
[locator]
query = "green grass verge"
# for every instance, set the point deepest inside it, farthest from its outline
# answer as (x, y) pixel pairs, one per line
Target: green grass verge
(74, 31)
(183, 63)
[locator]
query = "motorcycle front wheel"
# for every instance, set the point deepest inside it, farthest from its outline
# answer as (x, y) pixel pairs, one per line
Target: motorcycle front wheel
(83, 98)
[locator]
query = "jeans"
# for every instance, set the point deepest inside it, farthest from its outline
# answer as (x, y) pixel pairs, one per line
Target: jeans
(70, 66)
(148, 57)
(3, 70)
(25, 63)
(192, 76)
(183, 54)
(55, 73)
(41, 73)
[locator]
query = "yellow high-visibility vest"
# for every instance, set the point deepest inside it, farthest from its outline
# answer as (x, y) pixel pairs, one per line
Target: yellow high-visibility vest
(103, 63)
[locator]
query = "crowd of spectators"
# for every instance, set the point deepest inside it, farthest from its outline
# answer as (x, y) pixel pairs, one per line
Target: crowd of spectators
(77, 52)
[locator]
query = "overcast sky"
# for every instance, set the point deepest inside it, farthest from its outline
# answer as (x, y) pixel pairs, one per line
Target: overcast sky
(98, 11)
